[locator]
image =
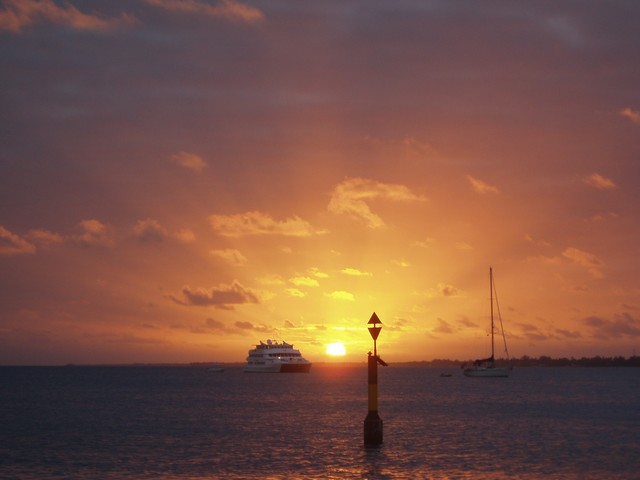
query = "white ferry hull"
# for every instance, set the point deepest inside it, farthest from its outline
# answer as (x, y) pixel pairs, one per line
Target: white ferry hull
(274, 357)
(279, 368)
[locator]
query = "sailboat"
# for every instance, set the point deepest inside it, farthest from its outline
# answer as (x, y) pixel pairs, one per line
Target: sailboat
(486, 367)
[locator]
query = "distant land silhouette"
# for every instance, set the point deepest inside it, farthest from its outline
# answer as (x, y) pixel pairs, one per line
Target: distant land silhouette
(524, 361)
(542, 361)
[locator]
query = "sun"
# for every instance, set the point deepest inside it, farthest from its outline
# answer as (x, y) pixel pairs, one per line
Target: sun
(336, 349)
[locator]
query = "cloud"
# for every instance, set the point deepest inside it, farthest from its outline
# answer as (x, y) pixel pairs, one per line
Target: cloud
(341, 295)
(258, 223)
(227, 9)
(623, 325)
(351, 196)
(545, 260)
(598, 181)
(229, 255)
(418, 149)
(94, 233)
(184, 236)
(18, 14)
(209, 325)
(45, 238)
(443, 327)
(463, 246)
(445, 290)
(535, 241)
(316, 272)
(250, 326)
(223, 296)
(426, 243)
(272, 279)
(149, 231)
(213, 324)
(481, 187)
(584, 259)
(632, 115)
(354, 272)
(190, 161)
(12, 244)
(295, 292)
(304, 282)
(567, 333)
(401, 263)
(465, 321)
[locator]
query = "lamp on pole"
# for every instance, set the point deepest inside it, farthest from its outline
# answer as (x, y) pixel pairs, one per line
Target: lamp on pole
(374, 331)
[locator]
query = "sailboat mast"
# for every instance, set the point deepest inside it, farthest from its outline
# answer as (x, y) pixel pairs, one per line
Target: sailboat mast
(491, 300)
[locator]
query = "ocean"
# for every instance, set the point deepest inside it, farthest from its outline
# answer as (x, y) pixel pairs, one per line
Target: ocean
(152, 422)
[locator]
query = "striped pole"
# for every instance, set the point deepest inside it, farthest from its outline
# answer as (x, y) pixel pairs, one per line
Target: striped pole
(373, 422)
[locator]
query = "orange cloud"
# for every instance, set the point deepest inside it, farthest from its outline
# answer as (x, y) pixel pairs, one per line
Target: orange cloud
(22, 13)
(481, 187)
(94, 233)
(227, 9)
(295, 292)
(598, 181)
(190, 161)
(584, 259)
(304, 282)
(418, 149)
(316, 272)
(11, 244)
(184, 236)
(350, 197)
(355, 272)
(632, 115)
(258, 223)
(45, 238)
(341, 295)
(229, 255)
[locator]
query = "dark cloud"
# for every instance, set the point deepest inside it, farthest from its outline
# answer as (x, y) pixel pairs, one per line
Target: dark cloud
(466, 322)
(223, 296)
(623, 325)
(243, 325)
(149, 231)
(443, 327)
(568, 334)
(532, 332)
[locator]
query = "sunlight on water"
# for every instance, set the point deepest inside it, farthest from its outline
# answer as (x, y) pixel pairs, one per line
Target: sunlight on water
(153, 422)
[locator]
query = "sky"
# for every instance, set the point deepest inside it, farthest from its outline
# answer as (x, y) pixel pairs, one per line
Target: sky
(182, 179)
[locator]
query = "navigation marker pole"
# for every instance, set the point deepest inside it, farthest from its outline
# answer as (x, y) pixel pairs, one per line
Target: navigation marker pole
(373, 422)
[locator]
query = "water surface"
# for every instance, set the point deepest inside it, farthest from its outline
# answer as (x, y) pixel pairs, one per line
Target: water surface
(185, 422)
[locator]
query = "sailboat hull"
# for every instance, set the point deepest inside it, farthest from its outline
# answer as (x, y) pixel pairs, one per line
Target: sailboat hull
(486, 372)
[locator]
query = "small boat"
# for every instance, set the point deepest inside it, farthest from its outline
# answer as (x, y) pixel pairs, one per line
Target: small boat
(274, 357)
(486, 367)
(215, 369)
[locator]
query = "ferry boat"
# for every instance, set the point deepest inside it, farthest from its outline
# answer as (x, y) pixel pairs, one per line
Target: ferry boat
(274, 357)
